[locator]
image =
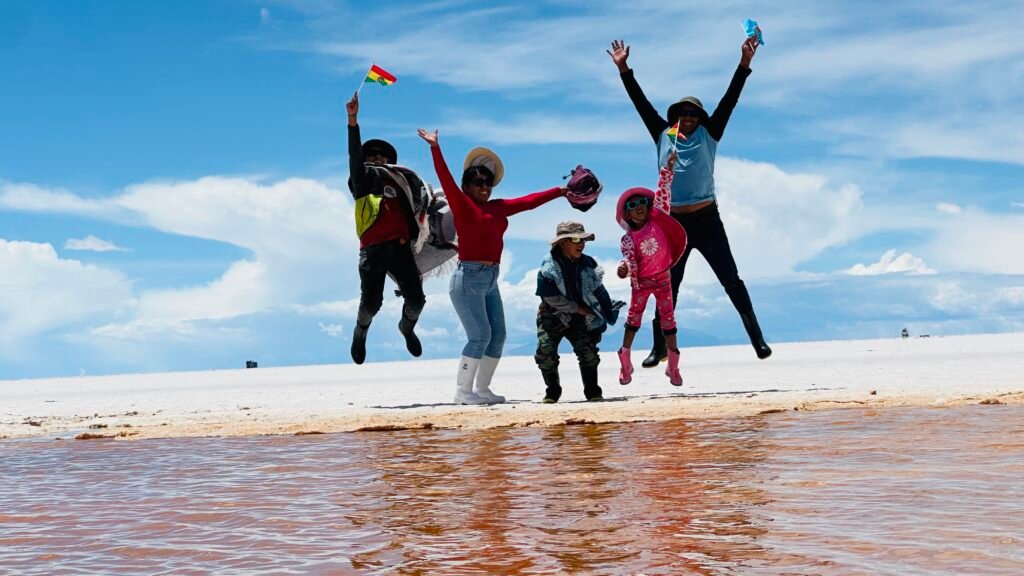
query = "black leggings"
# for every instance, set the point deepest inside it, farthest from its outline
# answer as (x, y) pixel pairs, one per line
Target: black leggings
(375, 263)
(706, 234)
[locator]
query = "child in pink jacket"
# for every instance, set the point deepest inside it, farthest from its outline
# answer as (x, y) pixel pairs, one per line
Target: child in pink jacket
(654, 241)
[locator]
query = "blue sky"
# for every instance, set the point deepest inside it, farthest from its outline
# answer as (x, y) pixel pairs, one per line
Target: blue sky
(172, 175)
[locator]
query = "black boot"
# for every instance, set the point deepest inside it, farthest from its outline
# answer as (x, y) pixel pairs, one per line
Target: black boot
(590, 388)
(359, 343)
(554, 387)
(658, 352)
(741, 300)
(754, 332)
(412, 343)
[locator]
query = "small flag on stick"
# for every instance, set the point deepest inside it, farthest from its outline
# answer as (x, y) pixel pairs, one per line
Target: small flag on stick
(380, 76)
(674, 134)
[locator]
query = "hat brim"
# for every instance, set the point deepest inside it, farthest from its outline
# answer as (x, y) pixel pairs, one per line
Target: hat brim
(481, 156)
(389, 151)
(588, 236)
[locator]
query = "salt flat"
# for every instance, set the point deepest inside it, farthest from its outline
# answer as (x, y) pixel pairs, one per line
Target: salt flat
(718, 381)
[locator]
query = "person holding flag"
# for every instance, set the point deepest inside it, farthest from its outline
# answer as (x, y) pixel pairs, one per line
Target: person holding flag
(694, 135)
(391, 204)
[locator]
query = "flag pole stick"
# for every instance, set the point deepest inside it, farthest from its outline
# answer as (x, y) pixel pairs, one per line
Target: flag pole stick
(364, 78)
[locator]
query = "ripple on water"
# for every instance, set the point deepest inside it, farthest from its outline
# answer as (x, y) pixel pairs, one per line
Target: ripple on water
(914, 491)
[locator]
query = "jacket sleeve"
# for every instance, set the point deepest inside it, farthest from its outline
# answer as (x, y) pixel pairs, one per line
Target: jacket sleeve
(652, 120)
(457, 200)
(513, 206)
(716, 123)
(357, 179)
(663, 196)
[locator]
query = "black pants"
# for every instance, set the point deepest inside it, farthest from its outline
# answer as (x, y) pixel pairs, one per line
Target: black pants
(706, 234)
(375, 263)
(550, 332)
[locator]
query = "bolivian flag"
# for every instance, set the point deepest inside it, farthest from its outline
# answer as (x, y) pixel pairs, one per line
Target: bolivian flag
(674, 134)
(380, 76)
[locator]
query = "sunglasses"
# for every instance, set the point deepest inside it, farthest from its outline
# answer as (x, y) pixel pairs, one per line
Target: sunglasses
(630, 204)
(481, 182)
(688, 113)
(373, 152)
(577, 240)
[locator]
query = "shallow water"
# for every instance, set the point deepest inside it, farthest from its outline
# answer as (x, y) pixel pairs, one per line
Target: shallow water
(899, 491)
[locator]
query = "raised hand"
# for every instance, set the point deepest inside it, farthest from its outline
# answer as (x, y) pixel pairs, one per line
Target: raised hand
(747, 51)
(619, 54)
(352, 106)
(671, 163)
(428, 137)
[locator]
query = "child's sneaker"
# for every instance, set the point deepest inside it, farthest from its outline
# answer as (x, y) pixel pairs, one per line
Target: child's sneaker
(626, 370)
(674, 377)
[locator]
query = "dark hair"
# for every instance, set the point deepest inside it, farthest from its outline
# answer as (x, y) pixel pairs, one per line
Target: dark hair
(474, 171)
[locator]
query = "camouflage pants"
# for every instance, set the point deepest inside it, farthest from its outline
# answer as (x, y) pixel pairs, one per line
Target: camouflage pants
(550, 332)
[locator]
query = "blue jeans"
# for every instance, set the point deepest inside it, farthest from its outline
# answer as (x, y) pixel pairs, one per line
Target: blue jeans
(475, 296)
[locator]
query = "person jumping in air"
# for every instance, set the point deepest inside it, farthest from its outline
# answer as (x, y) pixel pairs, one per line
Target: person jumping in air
(693, 189)
(391, 206)
(652, 244)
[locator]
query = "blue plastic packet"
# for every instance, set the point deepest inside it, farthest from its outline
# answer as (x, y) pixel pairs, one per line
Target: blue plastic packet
(753, 30)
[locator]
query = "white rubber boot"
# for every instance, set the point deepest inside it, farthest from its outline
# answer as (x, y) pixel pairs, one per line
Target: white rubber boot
(483, 380)
(464, 382)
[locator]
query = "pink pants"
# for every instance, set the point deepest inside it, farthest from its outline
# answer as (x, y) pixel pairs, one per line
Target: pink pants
(662, 299)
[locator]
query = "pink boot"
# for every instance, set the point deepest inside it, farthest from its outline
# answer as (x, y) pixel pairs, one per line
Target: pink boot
(674, 377)
(626, 372)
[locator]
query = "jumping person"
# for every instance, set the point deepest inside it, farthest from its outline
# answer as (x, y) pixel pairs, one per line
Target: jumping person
(652, 244)
(480, 222)
(574, 305)
(693, 188)
(390, 203)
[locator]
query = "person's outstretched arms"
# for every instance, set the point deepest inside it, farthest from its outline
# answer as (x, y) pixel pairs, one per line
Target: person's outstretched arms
(663, 196)
(453, 194)
(356, 170)
(514, 206)
(652, 120)
(717, 121)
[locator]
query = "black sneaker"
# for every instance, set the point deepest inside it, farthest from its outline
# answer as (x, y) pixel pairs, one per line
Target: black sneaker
(412, 343)
(548, 400)
(359, 344)
(596, 399)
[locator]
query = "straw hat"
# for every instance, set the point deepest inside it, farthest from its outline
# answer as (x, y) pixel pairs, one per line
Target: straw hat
(483, 157)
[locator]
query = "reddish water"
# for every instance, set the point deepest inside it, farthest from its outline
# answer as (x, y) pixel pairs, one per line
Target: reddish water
(849, 492)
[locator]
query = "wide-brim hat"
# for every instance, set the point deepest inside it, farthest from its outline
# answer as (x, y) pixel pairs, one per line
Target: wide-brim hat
(389, 151)
(570, 229)
(480, 156)
(673, 110)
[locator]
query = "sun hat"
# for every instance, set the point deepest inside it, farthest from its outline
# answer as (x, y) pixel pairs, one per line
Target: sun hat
(691, 100)
(389, 151)
(570, 229)
(480, 156)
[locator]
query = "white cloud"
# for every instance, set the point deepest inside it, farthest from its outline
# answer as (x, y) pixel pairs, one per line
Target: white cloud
(265, 18)
(39, 291)
(300, 233)
(948, 208)
(890, 263)
(332, 330)
(92, 244)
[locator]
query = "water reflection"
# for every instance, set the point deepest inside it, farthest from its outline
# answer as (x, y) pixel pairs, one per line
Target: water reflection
(900, 491)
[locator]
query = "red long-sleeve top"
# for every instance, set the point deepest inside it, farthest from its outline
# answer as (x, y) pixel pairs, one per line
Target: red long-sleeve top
(481, 227)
